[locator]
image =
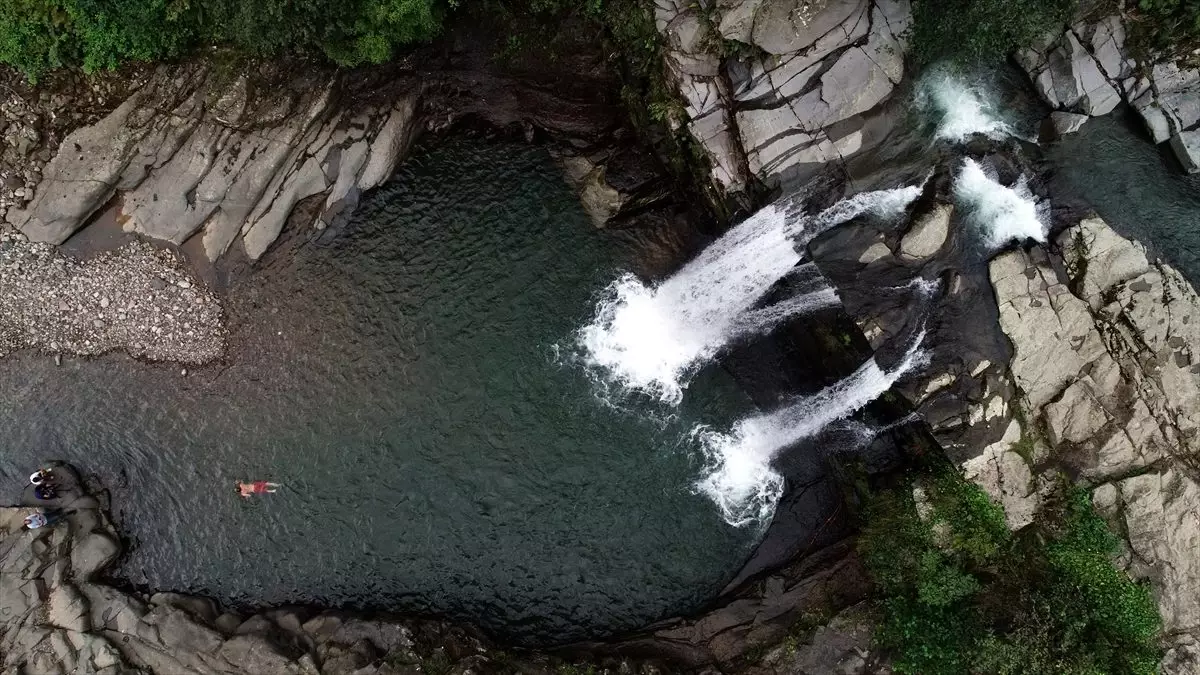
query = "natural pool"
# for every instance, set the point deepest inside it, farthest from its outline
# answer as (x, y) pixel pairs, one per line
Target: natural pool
(438, 453)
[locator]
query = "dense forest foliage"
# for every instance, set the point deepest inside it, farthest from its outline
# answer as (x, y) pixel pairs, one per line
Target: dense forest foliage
(962, 594)
(41, 35)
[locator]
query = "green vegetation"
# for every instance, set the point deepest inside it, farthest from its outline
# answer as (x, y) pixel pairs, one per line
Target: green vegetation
(963, 595)
(986, 31)
(1167, 25)
(40, 35)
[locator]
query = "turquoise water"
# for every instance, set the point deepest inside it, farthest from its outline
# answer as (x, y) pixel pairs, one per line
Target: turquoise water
(1136, 186)
(409, 382)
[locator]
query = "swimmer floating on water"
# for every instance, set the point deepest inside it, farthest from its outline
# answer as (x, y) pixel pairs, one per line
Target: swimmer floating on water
(258, 487)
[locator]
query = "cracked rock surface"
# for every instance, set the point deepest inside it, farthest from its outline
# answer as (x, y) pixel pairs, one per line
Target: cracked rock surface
(1087, 68)
(1097, 375)
(1105, 355)
(802, 92)
(138, 299)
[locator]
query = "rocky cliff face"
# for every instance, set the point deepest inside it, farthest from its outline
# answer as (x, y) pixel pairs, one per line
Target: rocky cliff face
(1088, 69)
(1095, 378)
(778, 89)
(1105, 353)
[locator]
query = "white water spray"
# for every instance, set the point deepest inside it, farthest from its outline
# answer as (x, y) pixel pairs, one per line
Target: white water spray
(654, 338)
(1003, 213)
(740, 478)
(963, 108)
(757, 321)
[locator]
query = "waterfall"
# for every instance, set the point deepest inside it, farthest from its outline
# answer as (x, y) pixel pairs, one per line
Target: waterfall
(1003, 213)
(962, 109)
(740, 478)
(755, 322)
(653, 338)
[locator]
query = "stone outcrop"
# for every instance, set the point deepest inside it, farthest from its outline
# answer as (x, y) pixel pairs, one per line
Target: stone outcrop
(1087, 69)
(776, 89)
(195, 154)
(1120, 399)
(1105, 349)
(1076, 357)
(190, 155)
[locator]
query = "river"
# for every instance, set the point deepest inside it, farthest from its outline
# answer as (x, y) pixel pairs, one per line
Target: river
(409, 383)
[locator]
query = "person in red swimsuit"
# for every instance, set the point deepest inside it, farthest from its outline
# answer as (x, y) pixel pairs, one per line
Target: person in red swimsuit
(258, 487)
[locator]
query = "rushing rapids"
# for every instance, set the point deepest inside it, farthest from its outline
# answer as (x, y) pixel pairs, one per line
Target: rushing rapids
(1002, 213)
(960, 108)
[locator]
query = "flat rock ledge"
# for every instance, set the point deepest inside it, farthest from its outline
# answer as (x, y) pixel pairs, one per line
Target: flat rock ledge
(139, 299)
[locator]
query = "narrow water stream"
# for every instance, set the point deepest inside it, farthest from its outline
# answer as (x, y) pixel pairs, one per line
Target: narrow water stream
(436, 453)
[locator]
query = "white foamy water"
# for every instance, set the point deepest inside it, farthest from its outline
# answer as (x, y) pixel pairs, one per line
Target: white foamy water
(652, 339)
(1003, 213)
(740, 478)
(756, 321)
(963, 108)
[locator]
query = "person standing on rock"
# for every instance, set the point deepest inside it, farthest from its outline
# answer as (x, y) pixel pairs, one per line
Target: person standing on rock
(42, 519)
(41, 476)
(258, 487)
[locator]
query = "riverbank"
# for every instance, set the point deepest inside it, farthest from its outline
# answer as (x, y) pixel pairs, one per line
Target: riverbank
(138, 299)
(58, 614)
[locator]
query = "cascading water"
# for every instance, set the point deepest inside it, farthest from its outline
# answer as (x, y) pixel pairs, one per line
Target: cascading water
(740, 478)
(755, 322)
(962, 109)
(653, 338)
(1003, 213)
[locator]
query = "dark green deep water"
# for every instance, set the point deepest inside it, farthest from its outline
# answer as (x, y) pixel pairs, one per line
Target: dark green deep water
(438, 454)
(1136, 186)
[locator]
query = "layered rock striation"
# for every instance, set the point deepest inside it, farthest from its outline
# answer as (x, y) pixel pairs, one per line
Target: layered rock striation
(1089, 68)
(220, 159)
(777, 89)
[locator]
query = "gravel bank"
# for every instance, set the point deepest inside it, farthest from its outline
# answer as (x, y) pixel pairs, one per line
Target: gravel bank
(138, 299)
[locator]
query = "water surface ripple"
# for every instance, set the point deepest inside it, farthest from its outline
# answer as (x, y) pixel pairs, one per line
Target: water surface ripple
(401, 383)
